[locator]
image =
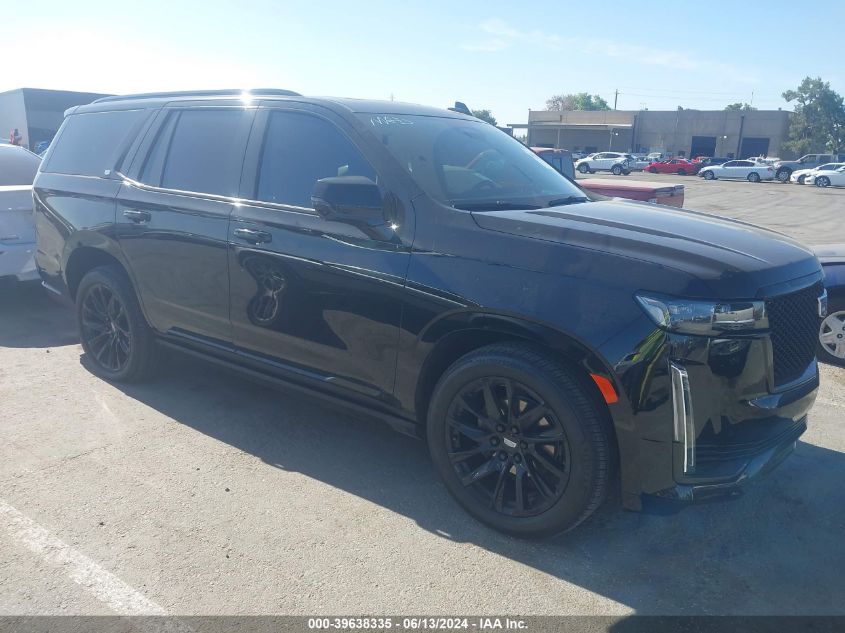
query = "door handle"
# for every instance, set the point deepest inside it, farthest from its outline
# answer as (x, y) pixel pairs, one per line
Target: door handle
(137, 216)
(253, 236)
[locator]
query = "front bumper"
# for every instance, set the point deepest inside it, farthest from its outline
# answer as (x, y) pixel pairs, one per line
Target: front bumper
(708, 435)
(758, 464)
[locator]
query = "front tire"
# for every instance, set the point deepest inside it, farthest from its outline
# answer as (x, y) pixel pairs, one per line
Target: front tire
(682, 172)
(709, 175)
(800, 180)
(519, 441)
(783, 175)
(653, 170)
(117, 341)
(584, 168)
(832, 334)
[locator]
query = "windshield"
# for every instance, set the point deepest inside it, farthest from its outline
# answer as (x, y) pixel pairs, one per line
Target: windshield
(17, 166)
(471, 164)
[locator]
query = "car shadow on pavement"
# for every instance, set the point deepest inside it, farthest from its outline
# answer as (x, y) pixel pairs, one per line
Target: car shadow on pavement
(29, 317)
(777, 549)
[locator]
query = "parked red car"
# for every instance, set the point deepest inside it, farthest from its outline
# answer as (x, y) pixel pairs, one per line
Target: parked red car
(679, 166)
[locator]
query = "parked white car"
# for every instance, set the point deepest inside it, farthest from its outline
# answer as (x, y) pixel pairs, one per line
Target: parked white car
(801, 176)
(18, 167)
(601, 161)
(739, 170)
(828, 178)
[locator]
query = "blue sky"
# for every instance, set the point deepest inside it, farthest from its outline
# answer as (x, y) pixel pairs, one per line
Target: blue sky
(508, 57)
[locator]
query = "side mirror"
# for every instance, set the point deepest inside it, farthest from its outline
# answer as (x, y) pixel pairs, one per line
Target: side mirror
(348, 199)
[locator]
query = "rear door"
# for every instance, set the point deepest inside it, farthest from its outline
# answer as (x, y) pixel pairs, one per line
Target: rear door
(173, 217)
(315, 300)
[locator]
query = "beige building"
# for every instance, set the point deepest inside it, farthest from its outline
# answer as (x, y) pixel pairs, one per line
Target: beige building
(690, 133)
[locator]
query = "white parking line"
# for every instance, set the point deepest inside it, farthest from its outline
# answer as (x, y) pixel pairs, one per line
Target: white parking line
(106, 587)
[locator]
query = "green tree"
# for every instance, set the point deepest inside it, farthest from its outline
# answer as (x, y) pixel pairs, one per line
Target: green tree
(744, 107)
(819, 119)
(484, 115)
(580, 101)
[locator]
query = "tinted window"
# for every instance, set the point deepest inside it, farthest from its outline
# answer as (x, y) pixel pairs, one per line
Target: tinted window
(744, 163)
(203, 153)
(154, 163)
(468, 164)
(90, 144)
(299, 150)
(17, 166)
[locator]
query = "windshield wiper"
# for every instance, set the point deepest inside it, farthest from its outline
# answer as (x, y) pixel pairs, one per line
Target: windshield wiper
(562, 202)
(495, 205)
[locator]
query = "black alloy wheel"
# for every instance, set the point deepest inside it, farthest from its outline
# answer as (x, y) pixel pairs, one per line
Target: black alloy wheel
(105, 327)
(118, 343)
(507, 446)
(520, 440)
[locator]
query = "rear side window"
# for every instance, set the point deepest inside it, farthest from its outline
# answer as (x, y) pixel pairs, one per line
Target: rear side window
(299, 150)
(90, 144)
(17, 166)
(198, 151)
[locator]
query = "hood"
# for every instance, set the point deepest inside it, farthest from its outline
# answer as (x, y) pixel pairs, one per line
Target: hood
(727, 258)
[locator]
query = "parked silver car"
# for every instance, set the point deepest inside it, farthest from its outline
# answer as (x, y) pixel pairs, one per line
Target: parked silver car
(18, 167)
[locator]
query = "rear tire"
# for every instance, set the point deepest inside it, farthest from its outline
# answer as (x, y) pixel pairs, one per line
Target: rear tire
(822, 181)
(682, 172)
(517, 472)
(118, 343)
(831, 348)
(616, 170)
(753, 177)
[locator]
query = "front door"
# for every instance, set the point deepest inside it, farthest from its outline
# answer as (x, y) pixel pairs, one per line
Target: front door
(312, 299)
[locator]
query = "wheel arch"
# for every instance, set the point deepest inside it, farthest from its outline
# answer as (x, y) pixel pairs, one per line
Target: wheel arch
(454, 336)
(85, 252)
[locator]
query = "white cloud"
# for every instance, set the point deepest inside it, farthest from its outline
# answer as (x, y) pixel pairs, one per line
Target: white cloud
(499, 35)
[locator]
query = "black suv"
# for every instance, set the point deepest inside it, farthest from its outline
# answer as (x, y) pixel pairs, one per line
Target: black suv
(422, 266)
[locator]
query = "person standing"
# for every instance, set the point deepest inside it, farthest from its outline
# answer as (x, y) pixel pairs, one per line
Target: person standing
(15, 137)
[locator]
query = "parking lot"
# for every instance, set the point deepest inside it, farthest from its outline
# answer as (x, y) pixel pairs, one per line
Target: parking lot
(810, 214)
(203, 493)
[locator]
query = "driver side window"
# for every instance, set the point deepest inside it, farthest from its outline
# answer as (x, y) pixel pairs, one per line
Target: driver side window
(300, 149)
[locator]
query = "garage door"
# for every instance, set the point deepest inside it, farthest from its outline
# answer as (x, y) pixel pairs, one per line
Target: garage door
(703, 146)
(754, 147)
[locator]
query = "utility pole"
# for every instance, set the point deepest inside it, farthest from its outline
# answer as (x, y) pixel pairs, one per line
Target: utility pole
(615, 98)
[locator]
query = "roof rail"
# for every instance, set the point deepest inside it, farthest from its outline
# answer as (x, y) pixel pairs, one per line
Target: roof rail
(232, 92)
